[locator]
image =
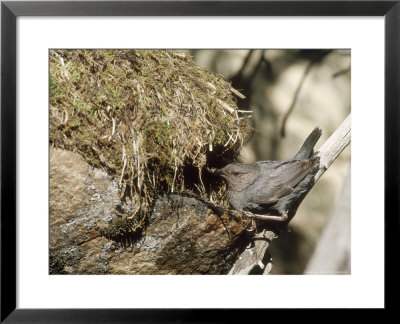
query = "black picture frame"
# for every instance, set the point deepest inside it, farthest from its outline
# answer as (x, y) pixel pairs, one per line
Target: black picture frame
(11, 10)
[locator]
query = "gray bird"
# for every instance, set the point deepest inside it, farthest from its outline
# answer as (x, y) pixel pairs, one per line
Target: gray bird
(257, 188)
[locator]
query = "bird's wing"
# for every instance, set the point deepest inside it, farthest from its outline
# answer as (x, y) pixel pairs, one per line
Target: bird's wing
(281, 181)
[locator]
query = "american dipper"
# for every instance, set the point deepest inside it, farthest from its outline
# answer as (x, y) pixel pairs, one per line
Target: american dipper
(257, 188)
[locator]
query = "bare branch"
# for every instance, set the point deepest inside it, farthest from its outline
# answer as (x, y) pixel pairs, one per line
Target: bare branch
(333, 146)
(341, 72)
(295, 96)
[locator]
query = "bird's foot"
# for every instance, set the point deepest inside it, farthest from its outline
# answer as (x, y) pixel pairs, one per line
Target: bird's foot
(281, 218)
(253, 226)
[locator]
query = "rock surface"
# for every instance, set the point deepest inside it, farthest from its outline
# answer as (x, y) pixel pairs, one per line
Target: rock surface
(182, 236)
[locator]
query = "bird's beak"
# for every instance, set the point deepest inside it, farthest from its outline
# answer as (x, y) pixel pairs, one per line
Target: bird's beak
(214, 171)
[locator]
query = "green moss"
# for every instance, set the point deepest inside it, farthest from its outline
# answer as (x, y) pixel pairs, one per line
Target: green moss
(75, 77)
(143, 115)
(125, 230)
(56, 90)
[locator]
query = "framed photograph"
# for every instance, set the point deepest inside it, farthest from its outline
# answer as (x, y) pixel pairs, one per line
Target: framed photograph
(155, 154)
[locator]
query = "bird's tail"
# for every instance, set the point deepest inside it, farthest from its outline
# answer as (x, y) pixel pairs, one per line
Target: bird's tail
(308, 146)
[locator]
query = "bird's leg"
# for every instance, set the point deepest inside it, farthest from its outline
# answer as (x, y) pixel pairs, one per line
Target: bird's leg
(281, 218)
(253, 226)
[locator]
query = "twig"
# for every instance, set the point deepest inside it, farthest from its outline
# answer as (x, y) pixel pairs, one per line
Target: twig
(63, 65)
(295, 96)
(245, 62)
(237, 93)
(249, 260)
(341, 72)
(333, 146)
(173, 180)
(124, 166)
(225, 106)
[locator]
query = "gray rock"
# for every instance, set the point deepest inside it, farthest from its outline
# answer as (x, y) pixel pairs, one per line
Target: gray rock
(182, 235)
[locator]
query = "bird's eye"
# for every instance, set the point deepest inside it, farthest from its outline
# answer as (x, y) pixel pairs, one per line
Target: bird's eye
(235, 173)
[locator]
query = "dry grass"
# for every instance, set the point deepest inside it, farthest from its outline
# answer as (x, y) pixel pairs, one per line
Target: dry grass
(146, 116)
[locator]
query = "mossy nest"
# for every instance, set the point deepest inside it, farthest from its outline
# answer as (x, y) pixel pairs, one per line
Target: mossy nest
(150, 117)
